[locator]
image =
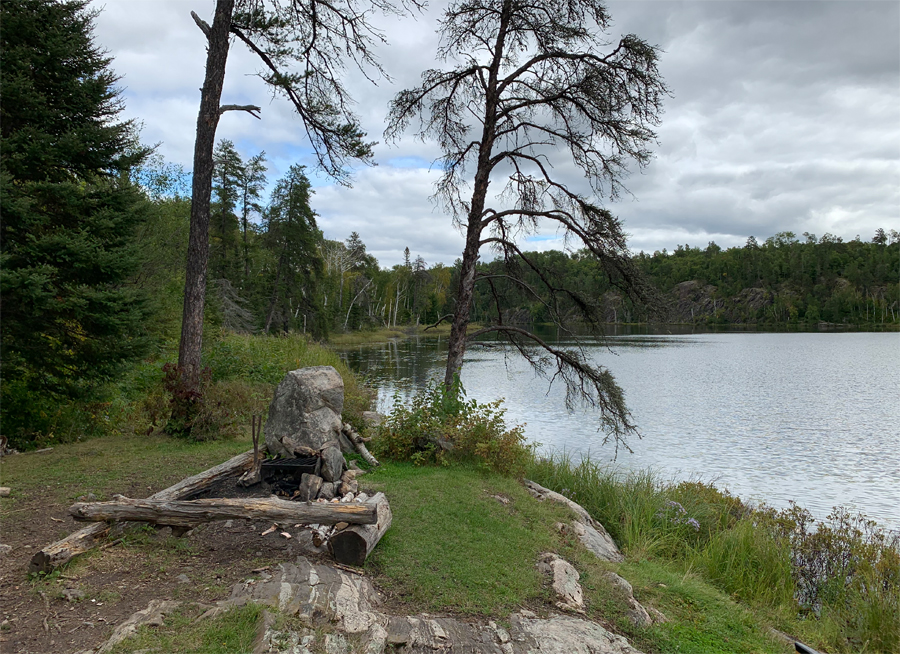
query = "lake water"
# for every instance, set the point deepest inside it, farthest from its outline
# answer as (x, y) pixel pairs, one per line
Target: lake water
(810, 417)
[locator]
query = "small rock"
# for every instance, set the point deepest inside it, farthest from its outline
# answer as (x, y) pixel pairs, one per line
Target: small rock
(5, 549)
(347, 498)
(336, 644)
(362, 497)
(4, 491)
(636, 612)
(349, 487)
(332, 463)
(309, 487)
(87, 497)
(183, 579)
(73, 594)
(564, 578)
(229, 523)
(328, 490)
(372, 418)
(341, 525)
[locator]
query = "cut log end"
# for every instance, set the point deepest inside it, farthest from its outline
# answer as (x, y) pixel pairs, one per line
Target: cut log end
(353, 545)
(349, 548)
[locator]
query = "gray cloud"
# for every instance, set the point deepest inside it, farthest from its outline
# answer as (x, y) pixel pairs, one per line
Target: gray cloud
(783, 117)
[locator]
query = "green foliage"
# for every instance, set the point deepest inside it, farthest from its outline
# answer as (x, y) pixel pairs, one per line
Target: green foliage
(439, 427)
(71, 320)
(294, 240)
(241, 373)
(782, 281)
(846, 569)
(843, 575)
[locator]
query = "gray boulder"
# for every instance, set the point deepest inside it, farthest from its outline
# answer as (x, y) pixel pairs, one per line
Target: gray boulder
(305, 411)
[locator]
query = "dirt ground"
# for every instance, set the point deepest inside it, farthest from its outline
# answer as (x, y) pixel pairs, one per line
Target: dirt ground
(77, 609)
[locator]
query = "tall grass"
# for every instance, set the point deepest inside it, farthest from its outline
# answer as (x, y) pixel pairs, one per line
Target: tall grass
(837, 581)
(242, 371)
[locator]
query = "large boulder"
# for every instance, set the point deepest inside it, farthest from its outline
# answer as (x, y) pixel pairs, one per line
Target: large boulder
(305, 411)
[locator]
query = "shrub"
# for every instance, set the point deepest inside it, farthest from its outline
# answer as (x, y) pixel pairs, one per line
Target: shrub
(439, 427)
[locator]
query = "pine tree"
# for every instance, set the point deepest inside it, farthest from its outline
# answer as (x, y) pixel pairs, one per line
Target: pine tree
(294, 240)
(70, 319)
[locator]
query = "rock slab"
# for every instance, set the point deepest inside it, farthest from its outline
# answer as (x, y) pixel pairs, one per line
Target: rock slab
(564, 581)
(305, 410)
(591, 533)
(347, 607)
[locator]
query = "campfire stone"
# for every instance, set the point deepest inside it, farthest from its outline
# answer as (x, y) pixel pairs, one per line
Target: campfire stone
(305, 411)
(328, 491)
(309, 487)
(332, 463)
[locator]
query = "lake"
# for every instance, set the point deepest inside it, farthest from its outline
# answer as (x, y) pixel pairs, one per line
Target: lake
(809, 417)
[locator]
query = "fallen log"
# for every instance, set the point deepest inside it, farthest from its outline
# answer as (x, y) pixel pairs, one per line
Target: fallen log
(190, 513)
(62, 551)
(351, 546)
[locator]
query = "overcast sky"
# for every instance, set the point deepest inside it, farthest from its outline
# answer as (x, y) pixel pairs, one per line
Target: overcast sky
(785, 116)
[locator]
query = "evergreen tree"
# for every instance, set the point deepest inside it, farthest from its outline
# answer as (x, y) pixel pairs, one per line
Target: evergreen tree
(223, 229)
(294, 240)
(70, 319)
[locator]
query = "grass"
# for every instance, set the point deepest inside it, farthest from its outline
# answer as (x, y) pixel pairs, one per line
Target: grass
(384, 334)
(230, 633)
(109, 465)
(453, 545)
(835, 585)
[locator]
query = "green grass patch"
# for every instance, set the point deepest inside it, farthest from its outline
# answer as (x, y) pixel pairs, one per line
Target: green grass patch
(111, 464)
(454, 547)
(182, 633)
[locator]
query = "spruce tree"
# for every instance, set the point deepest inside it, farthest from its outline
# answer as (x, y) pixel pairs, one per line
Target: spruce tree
(70, 319)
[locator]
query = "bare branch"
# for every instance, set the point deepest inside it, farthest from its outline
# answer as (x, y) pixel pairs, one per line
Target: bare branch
(585, 383)
(249, 108)
(439, 321)
(202, 24)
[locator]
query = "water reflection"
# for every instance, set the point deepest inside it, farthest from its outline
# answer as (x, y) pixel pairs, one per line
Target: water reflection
(772, 416)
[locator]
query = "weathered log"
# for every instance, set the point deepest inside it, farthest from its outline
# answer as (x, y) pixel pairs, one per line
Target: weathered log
(62, 551)
(190, 513)
(353, 545)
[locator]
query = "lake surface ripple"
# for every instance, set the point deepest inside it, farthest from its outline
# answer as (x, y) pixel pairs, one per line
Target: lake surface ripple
(809, 417)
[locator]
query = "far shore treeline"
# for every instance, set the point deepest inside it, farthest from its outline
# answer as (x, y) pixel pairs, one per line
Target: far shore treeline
(271, 270)
(782, 280)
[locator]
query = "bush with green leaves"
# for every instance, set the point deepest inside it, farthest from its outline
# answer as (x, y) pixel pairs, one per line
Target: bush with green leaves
(440, 426)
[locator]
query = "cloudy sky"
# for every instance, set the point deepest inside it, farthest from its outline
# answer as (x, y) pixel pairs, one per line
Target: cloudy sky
(785, 116)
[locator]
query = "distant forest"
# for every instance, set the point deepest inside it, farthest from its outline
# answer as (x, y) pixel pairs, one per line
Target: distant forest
(272, 270)
(782, 280)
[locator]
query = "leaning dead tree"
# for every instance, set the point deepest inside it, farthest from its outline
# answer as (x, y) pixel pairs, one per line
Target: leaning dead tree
(302, 47)
(536, 84)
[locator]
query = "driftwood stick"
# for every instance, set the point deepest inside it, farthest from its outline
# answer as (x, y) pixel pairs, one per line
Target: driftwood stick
(359, 444)
(62, 551)
(253, 476)
(353, 545)
(190, 513)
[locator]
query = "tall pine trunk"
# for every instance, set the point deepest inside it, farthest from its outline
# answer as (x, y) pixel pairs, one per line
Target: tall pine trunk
(198, 243)
(456, 346)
